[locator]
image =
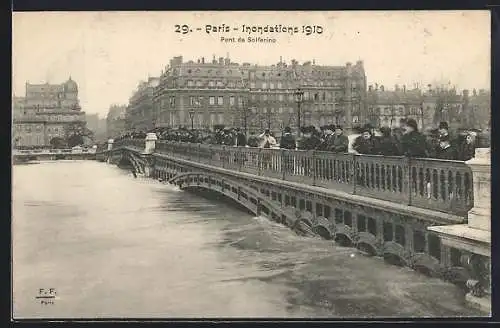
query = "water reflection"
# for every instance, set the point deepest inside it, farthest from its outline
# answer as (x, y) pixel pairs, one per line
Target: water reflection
(114, 246)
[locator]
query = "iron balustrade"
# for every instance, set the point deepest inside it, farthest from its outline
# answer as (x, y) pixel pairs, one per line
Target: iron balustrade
(441, 185)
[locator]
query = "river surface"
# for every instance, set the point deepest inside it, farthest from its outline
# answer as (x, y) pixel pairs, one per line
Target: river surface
(114, 246)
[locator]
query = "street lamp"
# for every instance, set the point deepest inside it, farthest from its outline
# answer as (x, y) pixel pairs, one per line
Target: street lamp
(191, 116)
(299, 98)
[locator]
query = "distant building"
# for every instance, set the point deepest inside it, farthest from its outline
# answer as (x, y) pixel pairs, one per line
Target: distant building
(98, 126)
(140, 112)
(45, 113)
(428, 108)
(116, 121)
(222, 92)
(388, 107)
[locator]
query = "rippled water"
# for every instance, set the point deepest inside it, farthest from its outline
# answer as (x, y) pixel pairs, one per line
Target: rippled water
(115, 246)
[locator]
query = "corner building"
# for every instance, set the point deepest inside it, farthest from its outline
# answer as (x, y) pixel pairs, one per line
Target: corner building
(45, 113)
(222, 92)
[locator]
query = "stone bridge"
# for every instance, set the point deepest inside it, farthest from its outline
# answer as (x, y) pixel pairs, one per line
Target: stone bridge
(390, 207)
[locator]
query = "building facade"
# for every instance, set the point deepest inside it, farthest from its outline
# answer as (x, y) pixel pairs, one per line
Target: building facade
(388, 107)
(140, 112)
(205, 94)
(116, 121)
(46, 112)
(428, 107)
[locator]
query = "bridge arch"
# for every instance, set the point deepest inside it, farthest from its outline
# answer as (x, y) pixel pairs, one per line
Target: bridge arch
(367, 243)
(245, 196)
(394, 253)
(323, 228)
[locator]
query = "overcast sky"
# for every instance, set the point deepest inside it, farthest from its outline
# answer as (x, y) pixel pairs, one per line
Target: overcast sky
(108, 53)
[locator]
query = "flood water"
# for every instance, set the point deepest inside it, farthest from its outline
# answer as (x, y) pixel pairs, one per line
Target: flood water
(114, 246)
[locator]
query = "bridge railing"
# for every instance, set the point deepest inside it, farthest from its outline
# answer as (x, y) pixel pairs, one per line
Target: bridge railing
(441, 185)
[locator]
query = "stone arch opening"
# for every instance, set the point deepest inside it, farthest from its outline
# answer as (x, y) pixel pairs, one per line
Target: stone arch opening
(394, 259)
(366, 248)
(343, 240)
(323, 232)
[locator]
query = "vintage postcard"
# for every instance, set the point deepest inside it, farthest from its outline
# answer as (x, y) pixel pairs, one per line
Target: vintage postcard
(223, 164)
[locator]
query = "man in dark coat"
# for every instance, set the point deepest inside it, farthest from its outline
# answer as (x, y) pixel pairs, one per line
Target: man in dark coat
(340, 141)
(287, 140)
(446, 150)
(387, 144)
(467, 147)
(326, 139)
(413, 143)
(241, 139)
(365, 143)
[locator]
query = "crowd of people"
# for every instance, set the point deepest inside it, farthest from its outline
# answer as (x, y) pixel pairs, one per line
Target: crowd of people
(406, 140)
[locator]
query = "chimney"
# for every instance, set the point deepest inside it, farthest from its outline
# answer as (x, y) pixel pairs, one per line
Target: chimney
(221, 60)
(198, 61)
(214, 61)
(404, 88)
(465, 93)
(314, 62)
(203, 60)
(348, 64)
(396, 87)
(382, 88)
(370, 88)
(474, 92)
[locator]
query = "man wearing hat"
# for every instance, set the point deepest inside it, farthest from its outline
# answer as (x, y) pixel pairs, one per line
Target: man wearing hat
(241, 139)
(365, 143)
(413, 143)
(288, 140)
(443, 129)
(327, 139)
(446, 150)
(340, 141)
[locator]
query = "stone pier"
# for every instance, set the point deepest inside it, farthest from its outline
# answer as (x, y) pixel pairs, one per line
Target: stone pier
(474, 238)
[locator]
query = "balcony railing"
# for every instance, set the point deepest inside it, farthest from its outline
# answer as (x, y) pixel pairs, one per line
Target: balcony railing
(440, 185)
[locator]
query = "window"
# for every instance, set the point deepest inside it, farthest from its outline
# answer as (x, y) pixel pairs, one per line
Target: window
(271, 85)
(280, 110)
(254, 97)
(199, 83)
(240, 101)
(280, 85)
(280, 97)
(192, 101)
(231, 84)
(252, 85)
(211, 100)
(220, 100)
(172, 101)
(264, 97)
(264, 85)
(190, 83)
(220, 118)
(231, 100)
(220, 84)
(200, 101)
(211, 84)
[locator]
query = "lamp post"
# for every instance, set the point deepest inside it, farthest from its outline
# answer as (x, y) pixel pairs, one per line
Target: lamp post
(299, 95)
(191, 116)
